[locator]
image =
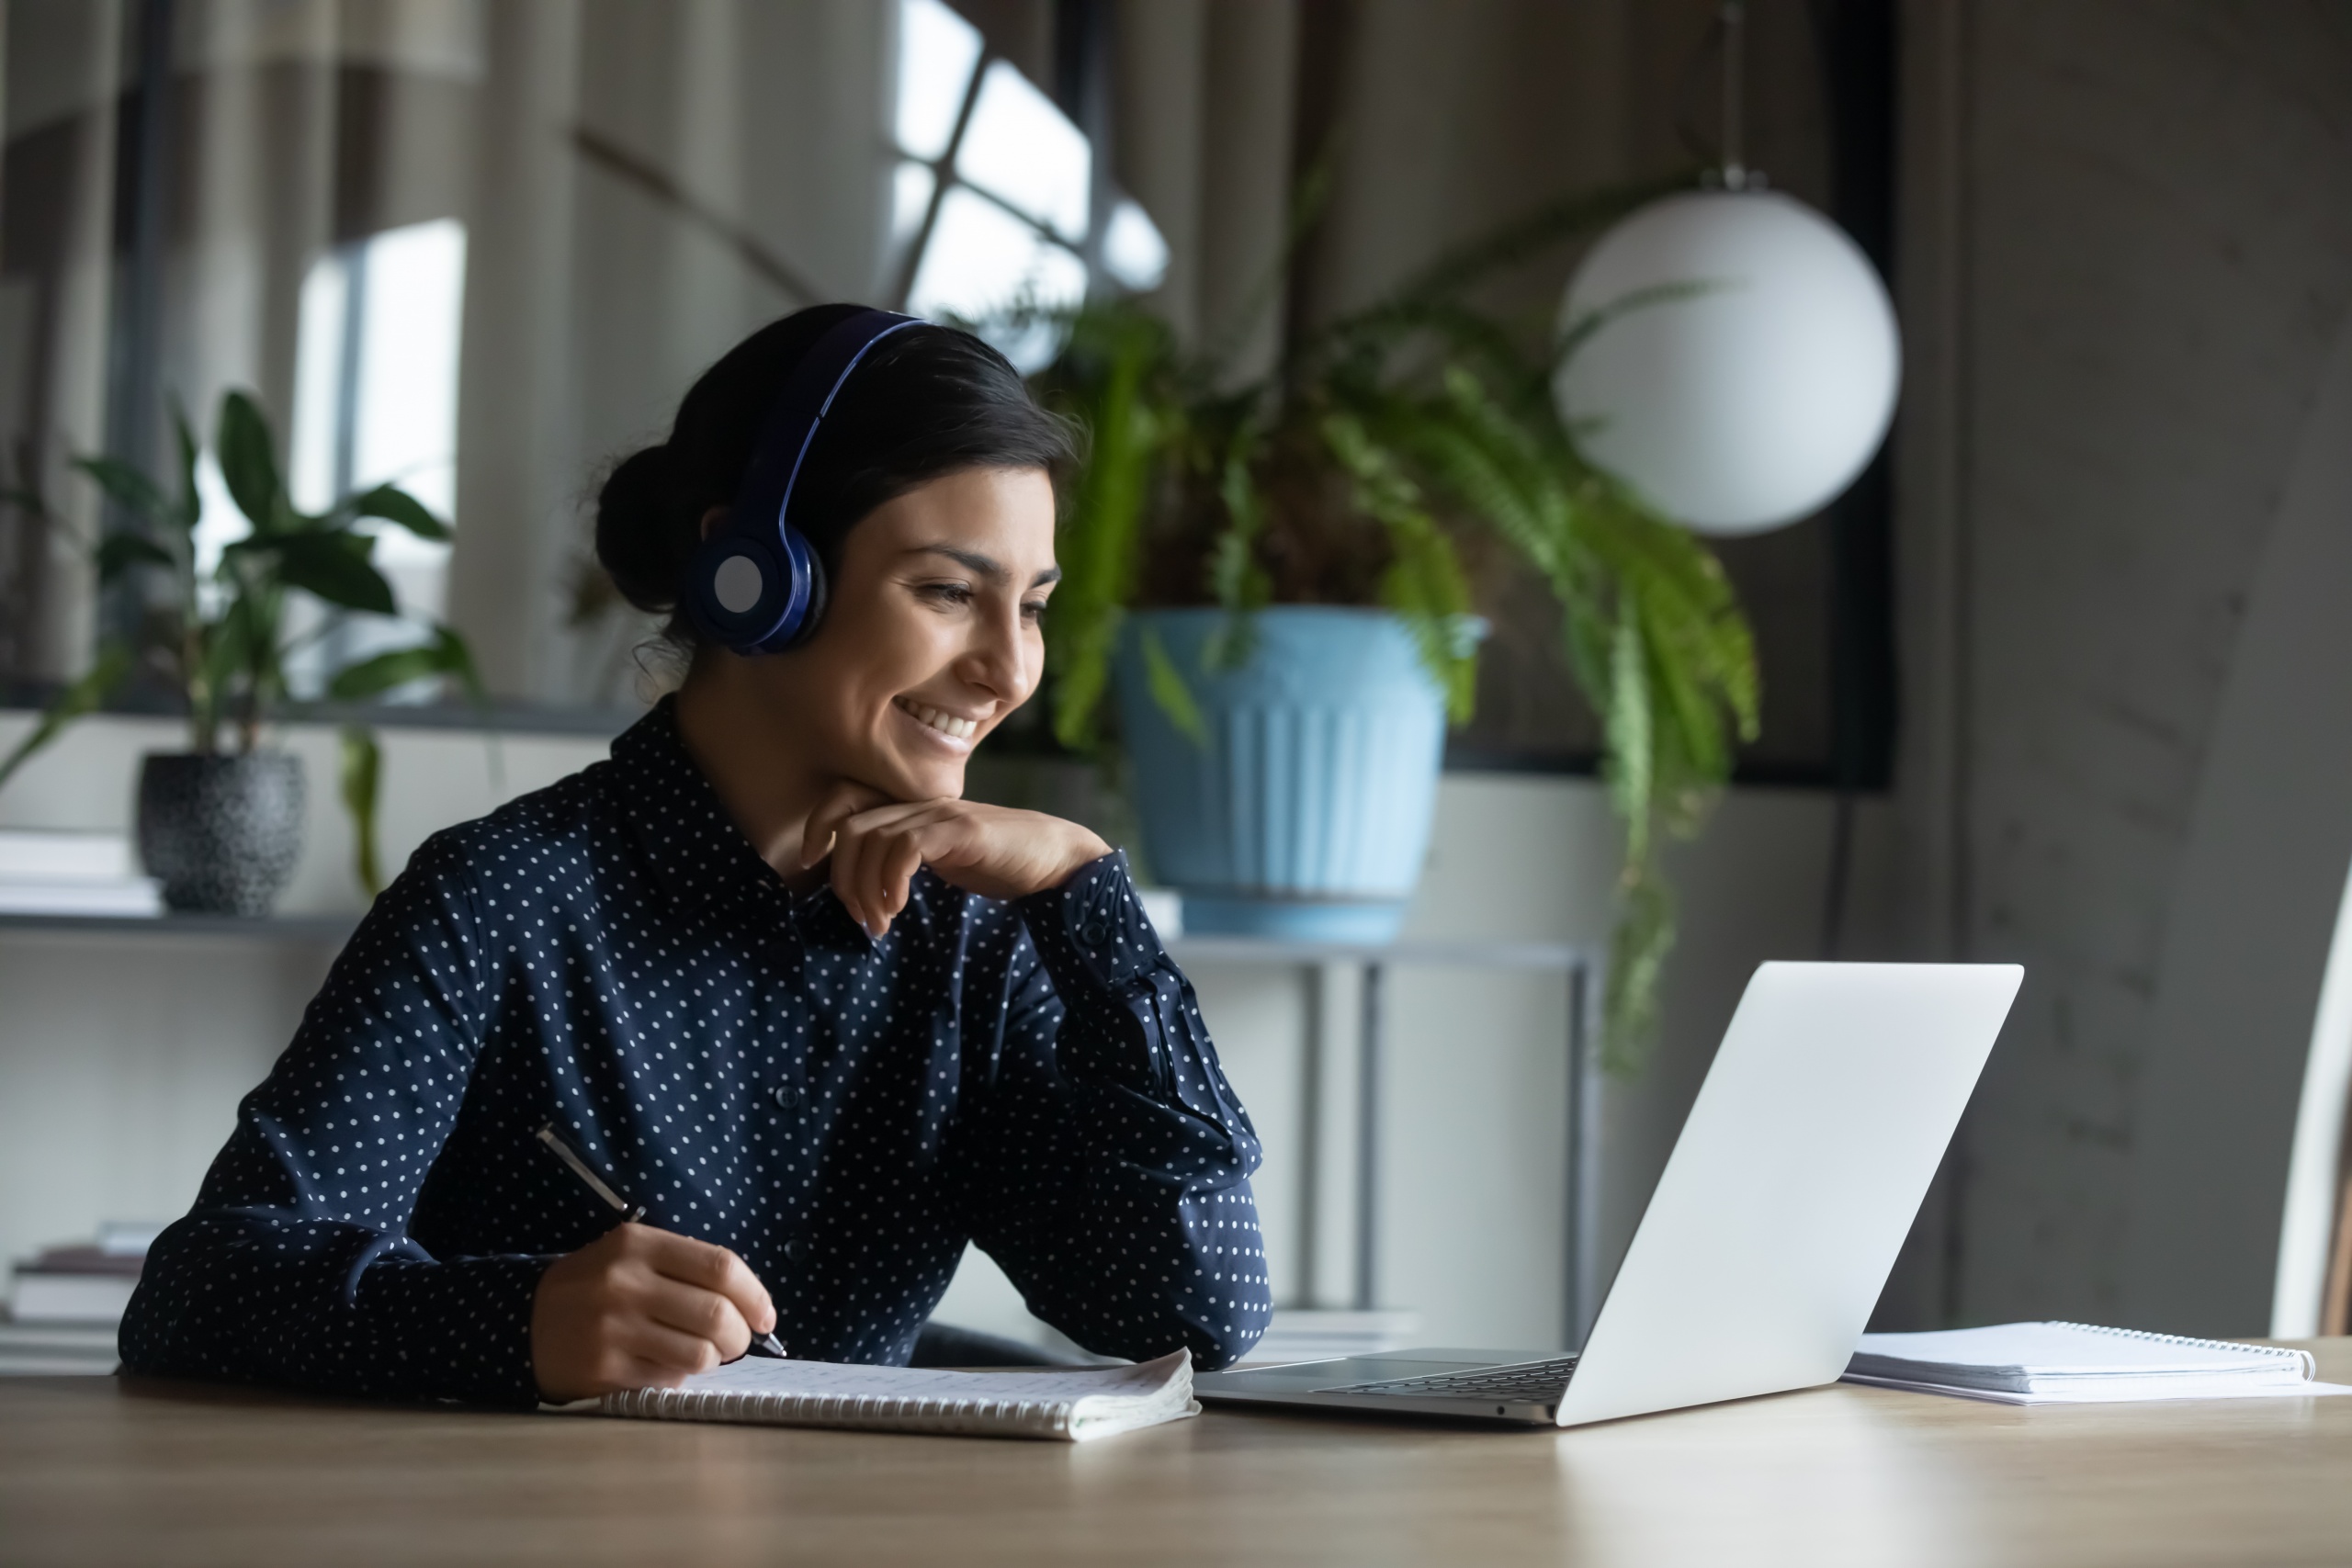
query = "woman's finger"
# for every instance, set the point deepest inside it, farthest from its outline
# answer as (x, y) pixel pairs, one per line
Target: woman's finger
(894, 868)
(850, 846)
(703, 1315)
(710, 1267)
(862, 858)
(863, 876)
(844, 802)
(912, 838)
(658, 1344)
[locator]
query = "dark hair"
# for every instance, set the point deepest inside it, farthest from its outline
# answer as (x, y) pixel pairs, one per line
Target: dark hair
(926, 402)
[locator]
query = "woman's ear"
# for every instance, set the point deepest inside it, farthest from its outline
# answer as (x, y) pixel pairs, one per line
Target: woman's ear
(713, 521)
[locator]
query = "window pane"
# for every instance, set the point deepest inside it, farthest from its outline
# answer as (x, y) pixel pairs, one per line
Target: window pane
(982, 260)
(317, 383)
(1133, 249)
(937, 49)
(396, 302)
(412, 307)
(1021, 148)
(909, 199)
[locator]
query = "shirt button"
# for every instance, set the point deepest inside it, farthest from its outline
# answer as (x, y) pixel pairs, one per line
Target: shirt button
(792, 1250)
(1093, 932)
(786, 1096)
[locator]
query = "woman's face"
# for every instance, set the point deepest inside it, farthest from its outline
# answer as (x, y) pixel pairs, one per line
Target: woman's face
(932, 634)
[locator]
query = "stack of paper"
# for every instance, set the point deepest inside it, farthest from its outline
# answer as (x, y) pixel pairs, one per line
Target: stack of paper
(2044, 1363)
(56, 1349)
(90, 1282)
(73, 873)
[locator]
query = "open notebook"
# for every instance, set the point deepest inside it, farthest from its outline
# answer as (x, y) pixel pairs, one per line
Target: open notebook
(2050, 1363)
(1068, 1407)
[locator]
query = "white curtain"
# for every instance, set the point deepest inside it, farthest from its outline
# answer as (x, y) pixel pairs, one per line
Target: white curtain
(636, 186)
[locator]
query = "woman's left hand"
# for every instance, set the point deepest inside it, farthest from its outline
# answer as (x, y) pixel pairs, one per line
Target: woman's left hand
(988, 850)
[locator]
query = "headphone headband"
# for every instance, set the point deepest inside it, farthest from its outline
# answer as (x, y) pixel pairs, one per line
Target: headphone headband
(757, 586)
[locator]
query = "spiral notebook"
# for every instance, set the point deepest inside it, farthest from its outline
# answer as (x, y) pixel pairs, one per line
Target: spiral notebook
(1073, 1407)
(2077, 1363)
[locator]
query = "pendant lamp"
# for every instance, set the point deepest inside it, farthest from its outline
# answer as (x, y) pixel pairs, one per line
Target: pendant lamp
(1738, 358)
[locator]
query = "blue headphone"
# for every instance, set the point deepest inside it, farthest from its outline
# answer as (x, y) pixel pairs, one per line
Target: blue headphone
(756, 586)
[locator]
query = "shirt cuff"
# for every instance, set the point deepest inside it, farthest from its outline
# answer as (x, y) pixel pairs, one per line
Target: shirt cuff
(1092, 929)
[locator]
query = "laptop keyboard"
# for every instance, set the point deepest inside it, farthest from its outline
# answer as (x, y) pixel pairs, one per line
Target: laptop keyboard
(1538, 1380)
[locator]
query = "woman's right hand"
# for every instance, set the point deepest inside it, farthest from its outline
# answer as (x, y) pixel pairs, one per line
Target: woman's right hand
(641, 1308)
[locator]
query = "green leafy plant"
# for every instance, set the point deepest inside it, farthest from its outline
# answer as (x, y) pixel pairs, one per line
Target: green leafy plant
(1385, 454)
(222, 638)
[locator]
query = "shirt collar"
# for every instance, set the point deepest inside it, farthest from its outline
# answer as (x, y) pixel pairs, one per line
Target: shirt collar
(700, 859)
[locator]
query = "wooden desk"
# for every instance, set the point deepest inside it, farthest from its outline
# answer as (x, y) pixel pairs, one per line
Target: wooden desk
(96, 1471)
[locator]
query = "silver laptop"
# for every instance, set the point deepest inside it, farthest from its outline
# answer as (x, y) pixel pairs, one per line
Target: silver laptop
(1771, 1232)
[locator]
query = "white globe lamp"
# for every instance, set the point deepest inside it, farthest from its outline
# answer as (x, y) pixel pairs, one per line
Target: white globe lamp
(1740, 362)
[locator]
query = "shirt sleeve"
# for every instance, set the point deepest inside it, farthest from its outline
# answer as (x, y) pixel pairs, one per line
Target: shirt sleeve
(1114, 1181)
(295, 1265)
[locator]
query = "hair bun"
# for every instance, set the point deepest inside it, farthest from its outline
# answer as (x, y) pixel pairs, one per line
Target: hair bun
(641, 542)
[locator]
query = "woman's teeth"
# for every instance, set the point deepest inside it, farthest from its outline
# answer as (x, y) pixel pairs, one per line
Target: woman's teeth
(945, 723)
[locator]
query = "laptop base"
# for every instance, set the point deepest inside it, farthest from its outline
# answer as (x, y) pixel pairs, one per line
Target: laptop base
(1506, 1388)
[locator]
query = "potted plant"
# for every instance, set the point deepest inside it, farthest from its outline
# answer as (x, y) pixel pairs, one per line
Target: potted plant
(219, 824)
(1270, 580)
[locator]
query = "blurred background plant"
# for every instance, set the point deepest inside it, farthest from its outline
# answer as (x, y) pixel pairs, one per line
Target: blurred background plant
(1401, 456)
(219, 636)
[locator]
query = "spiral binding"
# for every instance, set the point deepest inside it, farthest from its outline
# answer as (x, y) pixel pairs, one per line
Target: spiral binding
(896, 1413)
(2284, 1352)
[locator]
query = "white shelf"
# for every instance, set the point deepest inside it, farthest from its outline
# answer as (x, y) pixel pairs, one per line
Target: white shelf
(1557, 956)
(305, 929)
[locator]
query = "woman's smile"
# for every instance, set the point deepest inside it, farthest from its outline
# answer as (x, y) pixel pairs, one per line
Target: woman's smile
(938, 725)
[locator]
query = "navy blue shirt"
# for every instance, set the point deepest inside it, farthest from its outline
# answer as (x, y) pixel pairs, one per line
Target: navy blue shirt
(612, 954)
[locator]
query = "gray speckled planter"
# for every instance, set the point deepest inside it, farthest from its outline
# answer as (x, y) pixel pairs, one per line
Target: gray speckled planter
(221, 833)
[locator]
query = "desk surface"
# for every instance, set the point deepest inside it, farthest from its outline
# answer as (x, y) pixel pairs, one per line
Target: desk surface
(93, 1470)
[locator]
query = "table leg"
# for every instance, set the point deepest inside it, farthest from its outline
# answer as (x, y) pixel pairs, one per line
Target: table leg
(1368, 1141)
(1309, 1292)
(1581, 1212)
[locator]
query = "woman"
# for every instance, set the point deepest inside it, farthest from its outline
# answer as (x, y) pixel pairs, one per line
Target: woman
(764, 969)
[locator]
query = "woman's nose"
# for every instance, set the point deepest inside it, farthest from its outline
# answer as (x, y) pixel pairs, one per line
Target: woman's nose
(998, 658)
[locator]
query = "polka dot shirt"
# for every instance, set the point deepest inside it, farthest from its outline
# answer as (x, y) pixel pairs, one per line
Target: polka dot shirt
(610, 954)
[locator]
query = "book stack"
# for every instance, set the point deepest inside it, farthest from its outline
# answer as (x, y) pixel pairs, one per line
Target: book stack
(65, 1306)
(56, 1349)
(73, 873)
(89, 1282)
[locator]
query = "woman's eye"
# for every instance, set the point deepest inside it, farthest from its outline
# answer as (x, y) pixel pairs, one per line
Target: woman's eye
(946, 593)
(1033, 609)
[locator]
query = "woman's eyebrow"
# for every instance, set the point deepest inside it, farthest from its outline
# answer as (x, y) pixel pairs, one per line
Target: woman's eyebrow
(985, 566)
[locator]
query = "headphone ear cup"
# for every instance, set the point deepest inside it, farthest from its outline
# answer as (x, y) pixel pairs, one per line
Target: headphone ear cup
(739, 593)
(812, 569)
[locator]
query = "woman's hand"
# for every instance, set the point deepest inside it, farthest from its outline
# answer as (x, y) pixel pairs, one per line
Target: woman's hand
(988, 850)
(641, 1308)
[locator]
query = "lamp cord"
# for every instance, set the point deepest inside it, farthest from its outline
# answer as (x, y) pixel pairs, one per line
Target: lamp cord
(1734, 15)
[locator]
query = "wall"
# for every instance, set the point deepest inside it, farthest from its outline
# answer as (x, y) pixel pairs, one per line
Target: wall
(2128, 247)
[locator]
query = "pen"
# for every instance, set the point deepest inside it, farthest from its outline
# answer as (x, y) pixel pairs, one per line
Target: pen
(766, 1344)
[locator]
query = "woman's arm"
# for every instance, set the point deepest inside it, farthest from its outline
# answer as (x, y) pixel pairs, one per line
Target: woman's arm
(1114, 1160)
(295, 1265)
(1114, 1164)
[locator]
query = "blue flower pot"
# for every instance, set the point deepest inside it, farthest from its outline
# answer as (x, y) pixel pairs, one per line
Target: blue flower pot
(1304, 811)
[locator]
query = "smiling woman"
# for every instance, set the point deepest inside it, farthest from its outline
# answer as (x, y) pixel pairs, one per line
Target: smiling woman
(825, 1020)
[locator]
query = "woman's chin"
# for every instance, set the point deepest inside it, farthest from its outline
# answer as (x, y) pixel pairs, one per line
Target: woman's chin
(925, 778)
